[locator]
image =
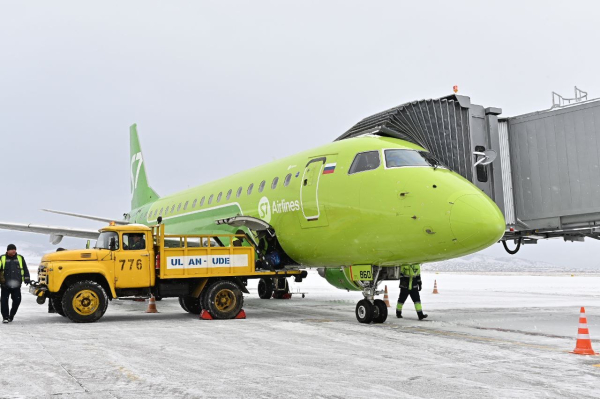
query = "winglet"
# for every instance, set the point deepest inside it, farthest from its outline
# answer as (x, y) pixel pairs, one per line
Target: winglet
(141, 192)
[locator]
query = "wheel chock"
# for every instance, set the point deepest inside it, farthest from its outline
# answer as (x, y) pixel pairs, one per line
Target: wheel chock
(241, 315)
(205, 315)
(286, 296)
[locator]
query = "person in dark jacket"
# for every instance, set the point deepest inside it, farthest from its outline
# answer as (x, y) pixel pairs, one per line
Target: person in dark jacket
(13, 272)
(410, 284)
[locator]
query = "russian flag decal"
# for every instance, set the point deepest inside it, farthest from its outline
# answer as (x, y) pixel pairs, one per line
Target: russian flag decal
(329, 168)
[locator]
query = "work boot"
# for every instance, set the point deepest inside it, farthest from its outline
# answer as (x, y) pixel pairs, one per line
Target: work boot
(399, 314)
(421, 315)
(5, 321)
(10, 319)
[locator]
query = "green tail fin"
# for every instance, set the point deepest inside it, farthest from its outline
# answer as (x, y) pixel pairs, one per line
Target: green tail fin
(141, 193)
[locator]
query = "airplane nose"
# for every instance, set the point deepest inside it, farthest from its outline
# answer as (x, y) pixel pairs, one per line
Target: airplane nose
(476, 222)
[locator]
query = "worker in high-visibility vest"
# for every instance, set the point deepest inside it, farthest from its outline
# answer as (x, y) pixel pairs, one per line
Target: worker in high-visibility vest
(13, 272)
(410, 284)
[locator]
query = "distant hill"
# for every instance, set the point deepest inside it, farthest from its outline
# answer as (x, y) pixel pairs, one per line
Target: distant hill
(482, 263)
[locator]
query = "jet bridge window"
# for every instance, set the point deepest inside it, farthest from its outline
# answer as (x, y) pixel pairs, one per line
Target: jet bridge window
(274, 184)
(286, 182)
(482, 171)
(399, 158)
(261, 187)
(365, 161)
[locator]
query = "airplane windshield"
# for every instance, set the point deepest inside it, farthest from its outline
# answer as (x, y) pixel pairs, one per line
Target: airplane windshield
(105, 238)
(399, 158)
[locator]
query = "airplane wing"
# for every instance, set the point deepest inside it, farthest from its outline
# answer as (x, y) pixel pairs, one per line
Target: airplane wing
(56, 233)
(90, 217)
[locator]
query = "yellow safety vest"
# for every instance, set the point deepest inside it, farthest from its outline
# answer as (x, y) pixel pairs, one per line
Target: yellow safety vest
(19, 257)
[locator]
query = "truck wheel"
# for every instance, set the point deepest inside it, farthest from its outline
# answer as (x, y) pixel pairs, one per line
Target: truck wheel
(85, 302)
(265, 288)
(224, 299)
(182, 304)
(57, 305)
(190, 304)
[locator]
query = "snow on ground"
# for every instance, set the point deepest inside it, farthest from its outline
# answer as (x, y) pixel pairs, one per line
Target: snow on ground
(487, 336)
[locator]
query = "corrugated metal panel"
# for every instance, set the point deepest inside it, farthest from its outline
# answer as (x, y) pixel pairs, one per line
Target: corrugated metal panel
(507, 186)
(555, 159)
(441, 126)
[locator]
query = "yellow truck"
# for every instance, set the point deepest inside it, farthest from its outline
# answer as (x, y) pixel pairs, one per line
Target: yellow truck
(134, 261)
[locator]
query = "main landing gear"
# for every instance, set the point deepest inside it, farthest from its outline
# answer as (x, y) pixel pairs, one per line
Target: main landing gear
(371, 310)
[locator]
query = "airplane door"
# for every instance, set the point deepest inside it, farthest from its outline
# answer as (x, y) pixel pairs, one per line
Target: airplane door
(132, 262)
(309, 188)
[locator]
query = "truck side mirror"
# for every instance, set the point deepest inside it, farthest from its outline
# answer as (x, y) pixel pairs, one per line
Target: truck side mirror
(87, 246)
(113, 244)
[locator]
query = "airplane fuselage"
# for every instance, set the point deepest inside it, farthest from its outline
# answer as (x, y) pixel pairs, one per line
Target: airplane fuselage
(326, 216)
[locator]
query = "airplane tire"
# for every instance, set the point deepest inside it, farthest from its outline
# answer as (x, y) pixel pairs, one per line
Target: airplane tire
(224, 299)
(265, 288)
(380, 311)
(57, 305)
(84, 302)
(364, 311)
(190, 304)
(279, 294)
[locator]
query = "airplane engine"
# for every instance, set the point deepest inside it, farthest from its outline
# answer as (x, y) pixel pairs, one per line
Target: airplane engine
(339, 278)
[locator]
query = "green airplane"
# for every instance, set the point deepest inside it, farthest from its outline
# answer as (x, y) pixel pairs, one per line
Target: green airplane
(357, 209)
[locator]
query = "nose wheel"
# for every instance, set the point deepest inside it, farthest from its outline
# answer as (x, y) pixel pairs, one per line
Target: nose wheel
(375, 312)
(364, 311)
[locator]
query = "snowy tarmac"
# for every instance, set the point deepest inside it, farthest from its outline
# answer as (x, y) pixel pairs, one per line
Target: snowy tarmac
(487, 336)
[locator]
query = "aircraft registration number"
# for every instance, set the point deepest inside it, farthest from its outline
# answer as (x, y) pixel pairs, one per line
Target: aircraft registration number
(362, 273)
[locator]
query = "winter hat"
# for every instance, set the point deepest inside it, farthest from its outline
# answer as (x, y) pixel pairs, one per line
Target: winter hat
(11, 246)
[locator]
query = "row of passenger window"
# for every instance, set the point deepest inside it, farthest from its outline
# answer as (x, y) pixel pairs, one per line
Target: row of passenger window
(261, 187)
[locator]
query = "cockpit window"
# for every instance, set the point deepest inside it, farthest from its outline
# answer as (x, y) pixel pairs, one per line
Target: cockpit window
(365, 161)
(400, 158)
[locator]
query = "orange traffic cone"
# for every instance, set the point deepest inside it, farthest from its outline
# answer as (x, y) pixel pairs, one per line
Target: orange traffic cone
(386, 299)
(435, 291)
(151, 305)
(584, 343)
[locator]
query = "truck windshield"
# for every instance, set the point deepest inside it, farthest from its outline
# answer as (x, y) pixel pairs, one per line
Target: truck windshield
(105, 238)
(400, 158)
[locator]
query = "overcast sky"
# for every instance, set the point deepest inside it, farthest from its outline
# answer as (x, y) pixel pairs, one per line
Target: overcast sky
(217, 87)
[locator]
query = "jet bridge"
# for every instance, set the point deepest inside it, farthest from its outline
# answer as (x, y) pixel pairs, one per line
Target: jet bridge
(546, 176)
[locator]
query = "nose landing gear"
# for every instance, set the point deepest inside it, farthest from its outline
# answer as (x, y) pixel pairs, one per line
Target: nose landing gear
(371, 310)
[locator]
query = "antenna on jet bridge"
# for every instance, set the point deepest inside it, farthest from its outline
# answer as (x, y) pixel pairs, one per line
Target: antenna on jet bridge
(560, 101)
